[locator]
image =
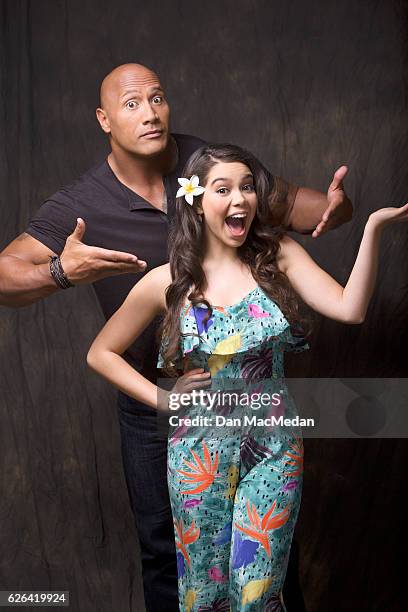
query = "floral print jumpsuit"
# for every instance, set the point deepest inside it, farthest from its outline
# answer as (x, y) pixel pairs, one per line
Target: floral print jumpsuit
(235, 490)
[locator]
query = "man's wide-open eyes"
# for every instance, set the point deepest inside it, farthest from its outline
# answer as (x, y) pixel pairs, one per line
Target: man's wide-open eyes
(131, 104)
(158, 99)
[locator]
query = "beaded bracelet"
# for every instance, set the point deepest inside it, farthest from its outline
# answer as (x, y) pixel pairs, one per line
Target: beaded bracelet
(58, 274)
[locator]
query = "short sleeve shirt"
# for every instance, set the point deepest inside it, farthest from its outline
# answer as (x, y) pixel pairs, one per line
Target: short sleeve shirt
(117, 218)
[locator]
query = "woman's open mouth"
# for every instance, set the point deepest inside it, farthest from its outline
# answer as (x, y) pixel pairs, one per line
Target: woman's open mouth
(236, 224)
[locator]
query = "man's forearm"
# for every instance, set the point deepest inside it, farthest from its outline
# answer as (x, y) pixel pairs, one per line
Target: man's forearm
(308, 208)
(23, 283)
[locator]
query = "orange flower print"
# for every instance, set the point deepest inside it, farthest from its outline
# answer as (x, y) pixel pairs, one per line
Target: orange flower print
(202, 473)
(259, 529)
(296, 458)
(185, 537)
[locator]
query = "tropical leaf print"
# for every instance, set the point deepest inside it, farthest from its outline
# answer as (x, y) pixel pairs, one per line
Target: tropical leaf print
(229, 345)
(185, 537)
(200, 314)
(252, 452)
(259, 528)
(225, 535)
(218, 362)
(243, 551)
(178, 434)
(203, 471)
(223, 353)
(274, 604)
(295, 458)
(290, 486)
(192, 503)
(233, 475)
(255, 589)
(216, 574)
(257, 365)
(218, 605)
(181, 569)
(256, 312)
(189, 600)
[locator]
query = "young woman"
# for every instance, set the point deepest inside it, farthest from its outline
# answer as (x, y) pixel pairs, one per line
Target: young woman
(230, 311)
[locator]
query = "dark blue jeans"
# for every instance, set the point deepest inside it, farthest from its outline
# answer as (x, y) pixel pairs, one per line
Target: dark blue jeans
(144, 453)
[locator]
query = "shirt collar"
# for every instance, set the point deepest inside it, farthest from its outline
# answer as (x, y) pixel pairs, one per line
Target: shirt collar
(136, 201)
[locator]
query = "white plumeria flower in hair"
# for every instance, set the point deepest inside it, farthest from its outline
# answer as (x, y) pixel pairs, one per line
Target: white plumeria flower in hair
(189, 188)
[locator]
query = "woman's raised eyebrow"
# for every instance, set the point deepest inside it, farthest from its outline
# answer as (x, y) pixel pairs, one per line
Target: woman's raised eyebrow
(228, 179)
(219, 179)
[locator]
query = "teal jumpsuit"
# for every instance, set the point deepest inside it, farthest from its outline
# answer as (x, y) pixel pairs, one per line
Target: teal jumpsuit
(234, 477)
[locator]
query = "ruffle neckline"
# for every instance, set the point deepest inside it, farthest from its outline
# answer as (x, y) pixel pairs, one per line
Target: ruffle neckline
(237, 328)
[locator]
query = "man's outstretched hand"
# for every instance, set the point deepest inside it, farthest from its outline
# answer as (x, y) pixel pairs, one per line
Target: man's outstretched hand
(86, 264)
(339, 209)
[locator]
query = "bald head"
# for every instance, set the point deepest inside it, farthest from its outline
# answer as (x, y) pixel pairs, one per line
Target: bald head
(134, 111)
(125, 76)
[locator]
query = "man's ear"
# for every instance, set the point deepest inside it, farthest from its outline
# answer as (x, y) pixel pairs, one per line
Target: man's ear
(103, 120)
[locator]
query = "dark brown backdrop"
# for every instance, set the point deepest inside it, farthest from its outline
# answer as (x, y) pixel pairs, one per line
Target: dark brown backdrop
(305, 85)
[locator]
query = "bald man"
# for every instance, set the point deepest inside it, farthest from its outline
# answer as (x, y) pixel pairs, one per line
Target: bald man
(125, 206)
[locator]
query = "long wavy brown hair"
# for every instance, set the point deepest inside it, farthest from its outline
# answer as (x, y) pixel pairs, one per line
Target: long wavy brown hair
(259, 251)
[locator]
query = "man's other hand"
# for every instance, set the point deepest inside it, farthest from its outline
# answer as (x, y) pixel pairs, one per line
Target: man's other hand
(339, 209)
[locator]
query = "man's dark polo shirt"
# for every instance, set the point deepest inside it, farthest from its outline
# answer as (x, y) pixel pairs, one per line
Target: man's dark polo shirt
(116, 218)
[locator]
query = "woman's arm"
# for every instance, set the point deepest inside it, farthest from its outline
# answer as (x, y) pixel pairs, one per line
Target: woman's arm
(144, 302)
(321, 291)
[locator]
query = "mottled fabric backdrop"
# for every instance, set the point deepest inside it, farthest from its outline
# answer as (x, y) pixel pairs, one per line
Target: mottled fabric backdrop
(307, 86)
